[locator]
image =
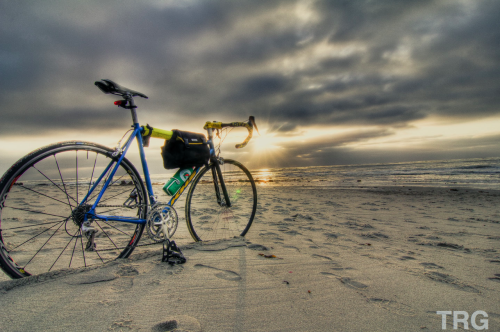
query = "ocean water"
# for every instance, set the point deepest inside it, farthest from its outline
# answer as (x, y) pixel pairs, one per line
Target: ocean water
(478, 173)
(464, 173)
(461, 173)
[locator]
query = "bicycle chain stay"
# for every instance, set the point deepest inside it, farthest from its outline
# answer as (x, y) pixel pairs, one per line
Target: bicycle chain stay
(125, 206)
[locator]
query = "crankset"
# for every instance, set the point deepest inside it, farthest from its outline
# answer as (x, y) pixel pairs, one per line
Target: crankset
(161, 222)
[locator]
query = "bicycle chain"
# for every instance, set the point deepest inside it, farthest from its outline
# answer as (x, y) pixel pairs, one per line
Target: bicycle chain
(139, 245)
(123, 206)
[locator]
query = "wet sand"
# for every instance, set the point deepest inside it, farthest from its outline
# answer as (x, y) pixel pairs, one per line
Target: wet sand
(315, 259)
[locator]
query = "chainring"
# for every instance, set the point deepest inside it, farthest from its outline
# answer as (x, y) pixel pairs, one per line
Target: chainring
(161, 222)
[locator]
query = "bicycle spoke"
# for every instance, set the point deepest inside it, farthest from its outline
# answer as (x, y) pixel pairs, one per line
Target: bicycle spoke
(39, 193)
(67, 244)
(103, 182)
(115, 181)
(106, 234)
(37, 212)
(97, 252)
(74, 247)
(114, 227)
(112, 183)
(34, 225)
(43, 245)
(123, 192)
(216, 224)
(64, 191)
(76, 153)
(62, 222)
(83, 250)
(64, 185)
(93, 169)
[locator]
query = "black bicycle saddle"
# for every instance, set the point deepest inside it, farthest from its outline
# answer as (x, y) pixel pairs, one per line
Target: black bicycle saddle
(108, 86)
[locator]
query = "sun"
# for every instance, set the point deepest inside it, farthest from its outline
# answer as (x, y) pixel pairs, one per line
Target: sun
(264, 144)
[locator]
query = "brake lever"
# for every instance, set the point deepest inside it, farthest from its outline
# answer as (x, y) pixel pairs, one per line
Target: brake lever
(251, 119)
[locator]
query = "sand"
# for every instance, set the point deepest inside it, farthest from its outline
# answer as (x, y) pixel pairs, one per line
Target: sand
(316, 259)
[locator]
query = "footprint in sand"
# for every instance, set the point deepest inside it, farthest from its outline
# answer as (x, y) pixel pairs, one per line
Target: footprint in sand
(393, 306)
(495, 278)
(127, 271)
(222, 274)
(91, 278)
(404, 258)
(125, 279)
(292, 247)
(122, 325)
(255, 246)
(431, 266)
(109, 303)
(450, 280)
(341, 268)
(178, 323)
(122, 284)
(321, 256)
(330, 274)
(352, 283)
(331, 235)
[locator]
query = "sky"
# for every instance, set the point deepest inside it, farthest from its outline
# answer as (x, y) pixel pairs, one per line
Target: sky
(330, 82)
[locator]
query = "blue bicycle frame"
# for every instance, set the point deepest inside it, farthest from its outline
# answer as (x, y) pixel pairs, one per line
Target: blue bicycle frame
(118, 155)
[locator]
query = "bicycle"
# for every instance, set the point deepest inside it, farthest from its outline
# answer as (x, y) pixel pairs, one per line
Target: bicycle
(76, 204)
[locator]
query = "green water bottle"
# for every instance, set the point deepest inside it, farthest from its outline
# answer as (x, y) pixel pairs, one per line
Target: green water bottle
(177, 181)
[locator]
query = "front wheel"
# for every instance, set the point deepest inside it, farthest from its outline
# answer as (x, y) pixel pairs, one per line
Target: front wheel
(208, 216)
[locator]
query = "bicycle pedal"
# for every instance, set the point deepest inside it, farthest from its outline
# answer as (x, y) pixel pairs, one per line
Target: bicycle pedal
(172, 254)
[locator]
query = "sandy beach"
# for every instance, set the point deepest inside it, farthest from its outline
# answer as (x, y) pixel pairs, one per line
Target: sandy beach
(315, 259)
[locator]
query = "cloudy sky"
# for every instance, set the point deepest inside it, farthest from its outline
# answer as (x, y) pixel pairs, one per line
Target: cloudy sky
(329, 82)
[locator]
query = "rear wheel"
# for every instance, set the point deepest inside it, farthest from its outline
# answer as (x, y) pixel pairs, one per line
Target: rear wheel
(41, 209)
(207, 215)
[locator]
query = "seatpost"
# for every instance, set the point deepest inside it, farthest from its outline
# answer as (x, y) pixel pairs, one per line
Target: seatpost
(132, 106)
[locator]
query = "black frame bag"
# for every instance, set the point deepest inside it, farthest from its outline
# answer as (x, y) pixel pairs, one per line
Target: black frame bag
(185, 149)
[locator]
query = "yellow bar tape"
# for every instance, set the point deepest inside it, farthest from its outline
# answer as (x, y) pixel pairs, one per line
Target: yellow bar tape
(213, 125)
(158, 133)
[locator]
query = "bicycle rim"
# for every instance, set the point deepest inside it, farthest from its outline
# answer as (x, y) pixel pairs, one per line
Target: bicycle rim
(206, 218)
(42, 210)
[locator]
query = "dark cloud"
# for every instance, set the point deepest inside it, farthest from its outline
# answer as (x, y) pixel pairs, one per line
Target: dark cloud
(336, 150)
(252, 88)
(379, 65)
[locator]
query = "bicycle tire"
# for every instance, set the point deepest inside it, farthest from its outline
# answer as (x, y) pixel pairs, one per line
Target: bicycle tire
(41, 210)
(205, 218)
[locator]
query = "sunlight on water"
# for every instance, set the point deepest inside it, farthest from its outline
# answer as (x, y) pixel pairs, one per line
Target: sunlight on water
(470, 173)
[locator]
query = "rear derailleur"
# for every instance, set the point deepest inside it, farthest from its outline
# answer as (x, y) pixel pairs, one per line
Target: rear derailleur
(89, 231)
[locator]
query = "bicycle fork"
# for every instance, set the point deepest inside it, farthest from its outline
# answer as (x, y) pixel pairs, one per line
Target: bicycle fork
(217, 173)
(217, 177)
